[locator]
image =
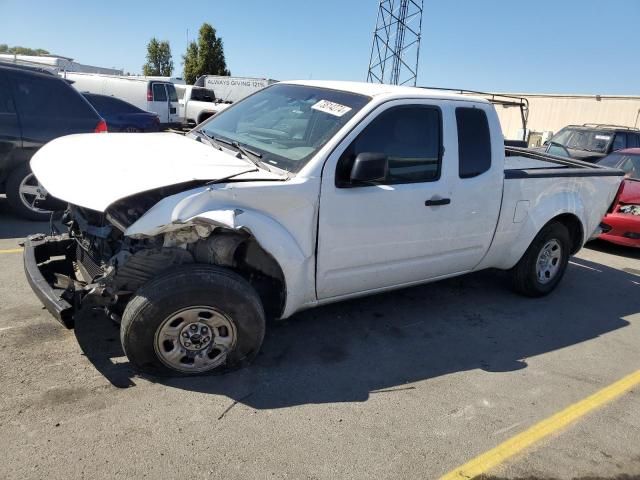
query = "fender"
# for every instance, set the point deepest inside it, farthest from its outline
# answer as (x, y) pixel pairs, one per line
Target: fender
(194, 208)
(512, 239)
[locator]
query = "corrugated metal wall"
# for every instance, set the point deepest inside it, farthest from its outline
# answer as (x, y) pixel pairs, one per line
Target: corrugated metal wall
(552, 112)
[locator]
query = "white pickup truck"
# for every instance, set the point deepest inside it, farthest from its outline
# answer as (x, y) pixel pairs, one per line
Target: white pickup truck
(196, 104)
(303, 194)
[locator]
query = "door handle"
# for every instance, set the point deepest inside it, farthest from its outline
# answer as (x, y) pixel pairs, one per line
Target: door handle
(434, 202)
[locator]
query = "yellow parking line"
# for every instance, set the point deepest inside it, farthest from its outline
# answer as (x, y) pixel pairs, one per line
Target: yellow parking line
(11, 250)
(494, 457)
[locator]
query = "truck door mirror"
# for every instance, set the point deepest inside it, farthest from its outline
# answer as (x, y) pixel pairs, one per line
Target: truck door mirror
(369, 167)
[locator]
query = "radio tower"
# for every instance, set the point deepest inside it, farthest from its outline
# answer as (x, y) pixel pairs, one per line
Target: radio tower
(396, 43)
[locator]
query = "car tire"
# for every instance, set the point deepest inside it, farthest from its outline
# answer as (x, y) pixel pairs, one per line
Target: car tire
(17, 198)
(544, 263)
(160, 323)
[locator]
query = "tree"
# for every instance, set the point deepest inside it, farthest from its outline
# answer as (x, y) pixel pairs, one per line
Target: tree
(190, 60)
(159, 62)
(4, 48)
(205, 57)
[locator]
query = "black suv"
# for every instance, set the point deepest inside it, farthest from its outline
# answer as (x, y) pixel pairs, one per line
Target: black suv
(35, 107)
(590, 142)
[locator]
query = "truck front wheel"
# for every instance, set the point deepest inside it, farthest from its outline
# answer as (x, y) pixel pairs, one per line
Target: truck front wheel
(542, 266)
(192, 320)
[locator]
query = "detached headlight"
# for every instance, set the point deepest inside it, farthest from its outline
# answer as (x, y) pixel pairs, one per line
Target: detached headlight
(630, 209)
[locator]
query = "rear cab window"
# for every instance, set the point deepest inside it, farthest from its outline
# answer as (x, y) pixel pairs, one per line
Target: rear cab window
(474, 142)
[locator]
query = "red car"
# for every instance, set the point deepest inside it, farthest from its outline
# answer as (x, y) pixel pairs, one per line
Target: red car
(621, 225)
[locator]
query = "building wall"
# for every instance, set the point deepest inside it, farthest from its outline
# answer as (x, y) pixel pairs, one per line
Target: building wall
(552, 112)
(57, 64)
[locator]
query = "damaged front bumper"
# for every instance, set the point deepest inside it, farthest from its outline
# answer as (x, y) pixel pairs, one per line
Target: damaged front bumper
(48, 265)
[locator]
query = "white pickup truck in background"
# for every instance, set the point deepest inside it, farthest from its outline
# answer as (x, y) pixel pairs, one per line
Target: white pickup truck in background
(196, 104)
(303, 194)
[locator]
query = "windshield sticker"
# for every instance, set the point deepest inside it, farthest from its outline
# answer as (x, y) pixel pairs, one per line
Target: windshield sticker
(603, 137)
(331, 108)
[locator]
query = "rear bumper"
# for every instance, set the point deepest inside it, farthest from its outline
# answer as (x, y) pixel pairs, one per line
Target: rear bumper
(45, 258)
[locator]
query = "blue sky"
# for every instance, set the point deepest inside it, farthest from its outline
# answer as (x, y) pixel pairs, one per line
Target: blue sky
(561, 46)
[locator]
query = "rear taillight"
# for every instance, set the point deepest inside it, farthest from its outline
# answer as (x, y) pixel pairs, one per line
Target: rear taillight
(149, 94)
(101, 127)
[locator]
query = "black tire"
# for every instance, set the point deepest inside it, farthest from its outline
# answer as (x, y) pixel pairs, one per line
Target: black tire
(13, 195)
(189, 286)
(525, 274)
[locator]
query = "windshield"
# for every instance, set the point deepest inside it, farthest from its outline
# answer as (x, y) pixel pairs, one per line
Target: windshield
(582, 139)
(286, 124)
(628, 163)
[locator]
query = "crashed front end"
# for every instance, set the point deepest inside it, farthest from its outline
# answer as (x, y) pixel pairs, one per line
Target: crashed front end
(95, 264)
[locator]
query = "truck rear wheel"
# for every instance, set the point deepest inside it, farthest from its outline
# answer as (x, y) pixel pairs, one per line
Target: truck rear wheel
(193, 320)
(542, 266)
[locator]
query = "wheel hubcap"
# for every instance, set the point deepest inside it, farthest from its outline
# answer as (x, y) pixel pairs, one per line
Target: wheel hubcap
(31, 192)
(548, 263)
(195, 339)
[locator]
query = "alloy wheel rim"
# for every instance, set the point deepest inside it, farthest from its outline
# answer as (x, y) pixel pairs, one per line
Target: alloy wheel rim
(548, 262)
(195, 339)
(31, 192)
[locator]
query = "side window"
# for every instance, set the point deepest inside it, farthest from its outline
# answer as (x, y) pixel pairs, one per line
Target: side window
(6, 99)
(172, 92)
(409, 136)
(619, 141)
(633, 140)
(51, 98)
(474, 142)
(159, 93)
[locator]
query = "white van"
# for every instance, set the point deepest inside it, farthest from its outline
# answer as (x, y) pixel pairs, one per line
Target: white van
(155, 96)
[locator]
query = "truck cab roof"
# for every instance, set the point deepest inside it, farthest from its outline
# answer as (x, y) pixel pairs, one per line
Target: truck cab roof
(381, 89)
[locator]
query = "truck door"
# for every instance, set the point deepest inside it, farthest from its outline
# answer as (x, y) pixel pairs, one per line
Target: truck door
(160, 101)
(423, 222)
(174, 114)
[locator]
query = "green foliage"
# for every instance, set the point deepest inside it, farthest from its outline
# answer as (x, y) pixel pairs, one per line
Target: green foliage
(159, 61)
(190, 60)
(4, 48)
(206, 57)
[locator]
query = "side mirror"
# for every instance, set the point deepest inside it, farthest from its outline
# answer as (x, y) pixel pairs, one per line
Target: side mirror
(546, 142)
(369, 167)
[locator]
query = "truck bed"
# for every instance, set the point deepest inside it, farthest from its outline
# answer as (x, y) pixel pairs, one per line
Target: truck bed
(526, 163)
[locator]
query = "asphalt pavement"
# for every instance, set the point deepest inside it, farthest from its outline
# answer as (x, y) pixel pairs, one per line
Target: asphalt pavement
(408, 384)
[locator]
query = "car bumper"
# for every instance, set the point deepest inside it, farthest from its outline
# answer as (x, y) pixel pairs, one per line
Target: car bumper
(46, 260)
(621, 229)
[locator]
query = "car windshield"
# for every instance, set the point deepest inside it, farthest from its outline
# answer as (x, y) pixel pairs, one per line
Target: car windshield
(583, 139)
(286, 124)
(628, 163)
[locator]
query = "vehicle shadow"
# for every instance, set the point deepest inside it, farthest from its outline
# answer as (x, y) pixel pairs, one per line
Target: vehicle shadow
(345, 352)
(612, 248)
(12, 226)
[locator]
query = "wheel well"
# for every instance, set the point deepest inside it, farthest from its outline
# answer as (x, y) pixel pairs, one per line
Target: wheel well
(576, 231)
(204, 115)
(243, 254)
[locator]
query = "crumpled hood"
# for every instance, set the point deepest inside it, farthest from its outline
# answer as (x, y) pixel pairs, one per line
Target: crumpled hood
(630, 192)
(93, 170)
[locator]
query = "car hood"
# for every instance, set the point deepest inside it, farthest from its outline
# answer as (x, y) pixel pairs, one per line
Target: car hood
(96, 169)
(630, 192)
